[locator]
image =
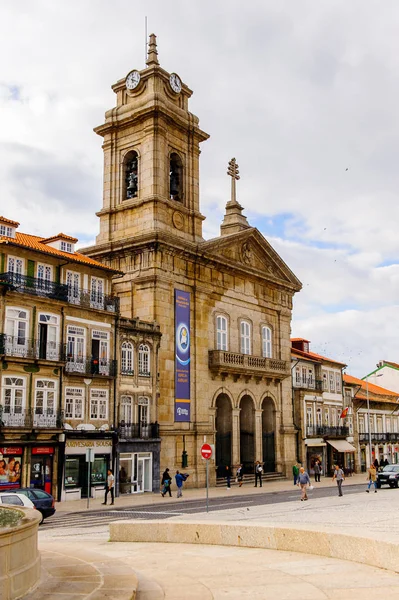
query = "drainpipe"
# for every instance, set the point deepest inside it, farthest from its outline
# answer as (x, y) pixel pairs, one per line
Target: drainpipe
(293, 411)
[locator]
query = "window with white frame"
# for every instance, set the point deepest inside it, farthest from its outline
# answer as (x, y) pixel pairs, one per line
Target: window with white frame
(17, 321)
(97, 292)
(66, 246)
(361, 425)
(310, 378)
(379, 425)
(143, 410)
(326, 417)
(325, 381)
(221, 333)
(309, 416)
(245, 329)
(15, 266)
(98, 404)
(6, 231)
(74, 402)
(13, 400)
(297, 375)
(76, 345)
(266, 342)
(126, 410)
(334, 417)
(127, 362)
(338, 380)
(44, 276)
(332, 382)
(48, 332)
(304, 373)
(388, 425)
(99, 352)
(144, 360)
(73, 283)
(395, 428)
(318, 417)
(350, 425)
(45, 401)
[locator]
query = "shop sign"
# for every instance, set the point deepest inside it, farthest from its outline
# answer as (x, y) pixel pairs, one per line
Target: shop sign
(11, 450)
(87, 443)
(10, 470)
(43, 450)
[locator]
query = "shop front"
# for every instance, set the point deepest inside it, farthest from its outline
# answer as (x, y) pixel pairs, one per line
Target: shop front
(87, 460)
(11, 461)
(315, 451)
(138, 467)
(342, 453)
(41, 468)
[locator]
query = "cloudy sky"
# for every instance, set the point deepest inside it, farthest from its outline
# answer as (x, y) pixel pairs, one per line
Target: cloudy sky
(305, 95)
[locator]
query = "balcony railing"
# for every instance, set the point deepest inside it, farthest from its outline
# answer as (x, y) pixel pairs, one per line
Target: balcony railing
(141, 431)
(22, 347)
(90, 366)
(31, 418)
(324, 430)
(246, 364)
(59, 291)
(378, 437)
(309, 384)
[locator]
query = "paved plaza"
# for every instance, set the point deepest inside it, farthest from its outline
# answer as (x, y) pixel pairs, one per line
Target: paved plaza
(179, 571)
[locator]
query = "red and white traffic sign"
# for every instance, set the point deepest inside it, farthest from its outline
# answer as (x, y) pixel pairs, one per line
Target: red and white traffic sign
(206, 451)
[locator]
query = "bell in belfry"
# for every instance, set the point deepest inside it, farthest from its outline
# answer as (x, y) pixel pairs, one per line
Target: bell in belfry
(131, 179)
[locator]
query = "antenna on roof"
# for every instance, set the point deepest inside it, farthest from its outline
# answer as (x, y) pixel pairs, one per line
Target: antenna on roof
(145, 39)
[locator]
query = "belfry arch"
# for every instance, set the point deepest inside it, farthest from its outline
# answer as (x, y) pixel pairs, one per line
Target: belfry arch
(268, 435)
(247, 433)
(224, 424)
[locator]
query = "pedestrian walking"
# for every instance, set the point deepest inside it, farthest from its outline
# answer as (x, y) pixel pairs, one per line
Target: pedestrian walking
(376, 464)
(339, 477)
(295, 472)
(258, 473)
(166, 481)
(303, 482)
(110, 487)
(317, 471)
(240, 475)
(180, 479)
(227, 474)
(372, 479)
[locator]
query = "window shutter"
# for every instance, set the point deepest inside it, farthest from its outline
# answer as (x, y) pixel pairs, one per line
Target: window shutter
(2, 263)
(57, 274)
(31, 268)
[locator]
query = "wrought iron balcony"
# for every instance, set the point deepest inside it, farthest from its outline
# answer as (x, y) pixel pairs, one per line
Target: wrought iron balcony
(35, 286)
(323, 430)
(90, 366)
(308, 384)
(127, 372)
(59, 291)
(378, 437)
(31, 418)
(234, 363)
(22, 347)
(141, 431)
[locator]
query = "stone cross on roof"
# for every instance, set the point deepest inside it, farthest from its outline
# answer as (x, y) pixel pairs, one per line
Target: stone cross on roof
(234, 174)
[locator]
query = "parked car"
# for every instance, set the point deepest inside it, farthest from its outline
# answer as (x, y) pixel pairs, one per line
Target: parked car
(43, 501)
(15, 499)
(388, 476)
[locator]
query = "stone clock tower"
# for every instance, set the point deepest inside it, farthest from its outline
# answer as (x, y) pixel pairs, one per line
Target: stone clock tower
(229, 299)
(151, 157)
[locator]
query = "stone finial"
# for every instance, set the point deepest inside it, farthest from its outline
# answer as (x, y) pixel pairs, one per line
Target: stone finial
(152, 58)
(234, 220)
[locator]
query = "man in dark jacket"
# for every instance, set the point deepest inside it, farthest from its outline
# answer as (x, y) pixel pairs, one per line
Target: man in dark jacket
(258, 473)
(166, 481)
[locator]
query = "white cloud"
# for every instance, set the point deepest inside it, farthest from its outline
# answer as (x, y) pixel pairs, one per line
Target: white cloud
(303, 94)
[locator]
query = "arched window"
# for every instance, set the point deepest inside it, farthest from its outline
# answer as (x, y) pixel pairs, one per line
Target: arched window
(175, 177)
(131, 175)
(127, 367)
(245, 337)
(266, 342)
(144, 360)
(126, 410)
(221, 330)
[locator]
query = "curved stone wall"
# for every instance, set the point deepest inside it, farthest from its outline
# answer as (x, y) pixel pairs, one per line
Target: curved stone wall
(19, 555)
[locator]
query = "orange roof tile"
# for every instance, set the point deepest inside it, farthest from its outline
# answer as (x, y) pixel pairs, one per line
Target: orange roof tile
(299, 354)
(317, 357)
(34, 242)
(59, 236)
(4, 220)
(373, 389)
(299, 340)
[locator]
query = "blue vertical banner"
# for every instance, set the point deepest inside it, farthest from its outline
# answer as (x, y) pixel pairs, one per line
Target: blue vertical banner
(182, 356)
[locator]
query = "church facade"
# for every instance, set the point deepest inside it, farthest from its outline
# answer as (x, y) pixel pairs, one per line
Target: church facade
(223, 305)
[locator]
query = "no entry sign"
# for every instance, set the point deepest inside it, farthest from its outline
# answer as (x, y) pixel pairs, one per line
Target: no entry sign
(206, 451)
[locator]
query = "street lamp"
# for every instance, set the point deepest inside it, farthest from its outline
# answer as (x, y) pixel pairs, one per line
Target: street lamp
(368, 412)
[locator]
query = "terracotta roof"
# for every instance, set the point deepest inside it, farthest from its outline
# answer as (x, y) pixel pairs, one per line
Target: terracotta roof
(34, 242)
(4, 220)
(318, 357)
(376, 390)
(299, 354)
(390, 364)
(59, 236)
(300, 340)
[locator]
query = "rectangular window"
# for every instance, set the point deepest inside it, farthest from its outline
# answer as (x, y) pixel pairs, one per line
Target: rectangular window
(17, 321)
(44, 276)
(266, 342)
(7, 231)
(304, 374)
(309, 416)
(332, 382)
(361, 425)
(47, 341)
(297, 375)
(15, 265)
(326, 417)
(74, 403)
(325, 381)
(76, 354)
(310, 378)
(13, 400)
(73, 283)
(334, 417)
(98, 404)
(45, 403)
(245, 337)
(66, 246)
(97, 293)
(221, 328)
(338, 380)
(318, 417)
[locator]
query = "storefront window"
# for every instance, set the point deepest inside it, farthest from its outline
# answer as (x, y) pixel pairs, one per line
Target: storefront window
(10, 467)
(72, 472)
(99, 471)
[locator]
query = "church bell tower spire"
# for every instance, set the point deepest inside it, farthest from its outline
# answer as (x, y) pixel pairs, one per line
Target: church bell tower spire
(234, 220)
(152, 57)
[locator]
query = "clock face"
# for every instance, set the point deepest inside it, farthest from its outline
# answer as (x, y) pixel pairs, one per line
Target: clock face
(175, 83)
(132, 80)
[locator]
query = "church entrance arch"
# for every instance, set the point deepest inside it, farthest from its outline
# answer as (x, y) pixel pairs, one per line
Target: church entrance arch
(268, 439)
(247, 437)
(224, 423)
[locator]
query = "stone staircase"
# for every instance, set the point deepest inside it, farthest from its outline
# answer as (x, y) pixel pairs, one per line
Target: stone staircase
(249, 479)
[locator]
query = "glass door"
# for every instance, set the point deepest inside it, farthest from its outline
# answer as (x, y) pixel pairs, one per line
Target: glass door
(41, 472)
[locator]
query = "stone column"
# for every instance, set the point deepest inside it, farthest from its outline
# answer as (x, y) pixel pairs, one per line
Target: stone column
(235, 442)
(258, 435)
